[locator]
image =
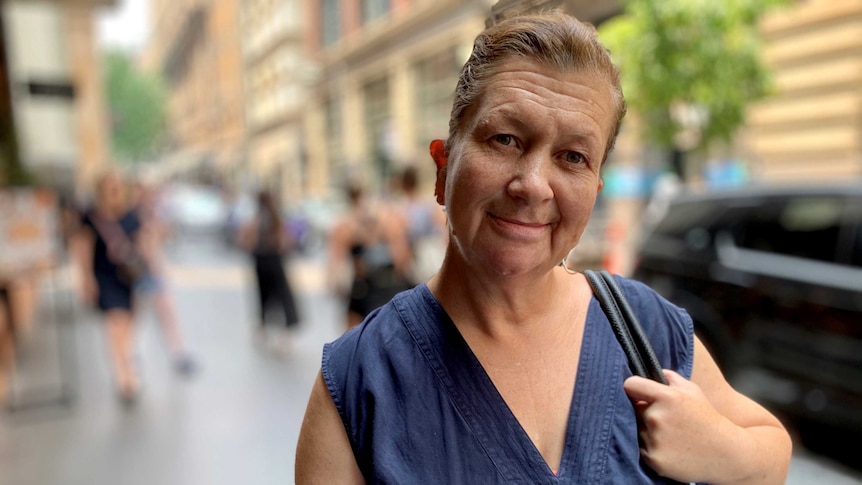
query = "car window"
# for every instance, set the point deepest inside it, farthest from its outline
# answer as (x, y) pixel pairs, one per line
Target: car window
(803, 227)
(682, 217)
(856, 251)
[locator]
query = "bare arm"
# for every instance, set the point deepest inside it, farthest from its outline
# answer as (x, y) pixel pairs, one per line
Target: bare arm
(323, 454)
(338, 246)
(395, 228)
(247, 235)
(146, 240)
(81, 247)
(705, 431)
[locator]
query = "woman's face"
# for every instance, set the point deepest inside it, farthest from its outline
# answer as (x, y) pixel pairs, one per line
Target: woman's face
(524, 173)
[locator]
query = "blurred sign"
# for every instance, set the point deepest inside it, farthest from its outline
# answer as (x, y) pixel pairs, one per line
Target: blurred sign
(29, 223)
(625, 182)
(725, 174)
(55, 89)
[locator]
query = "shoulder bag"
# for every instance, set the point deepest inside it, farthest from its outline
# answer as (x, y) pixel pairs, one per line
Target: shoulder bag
(131, 264)
(639, 352)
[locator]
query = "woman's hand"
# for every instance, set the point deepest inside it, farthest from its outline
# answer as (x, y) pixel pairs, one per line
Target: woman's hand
(676, 426)
(704, 431)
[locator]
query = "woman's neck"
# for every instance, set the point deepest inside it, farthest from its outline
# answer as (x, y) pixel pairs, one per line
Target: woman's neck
(499, 305)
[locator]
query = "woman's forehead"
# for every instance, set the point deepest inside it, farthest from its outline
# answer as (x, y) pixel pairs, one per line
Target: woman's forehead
(529, 89)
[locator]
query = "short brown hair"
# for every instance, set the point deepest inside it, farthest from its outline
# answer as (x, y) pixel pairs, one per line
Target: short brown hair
(552, 38)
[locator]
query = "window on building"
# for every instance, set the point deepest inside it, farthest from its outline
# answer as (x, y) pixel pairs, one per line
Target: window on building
(374, 9)
(435, 87)
(378, 129)
(330, 22)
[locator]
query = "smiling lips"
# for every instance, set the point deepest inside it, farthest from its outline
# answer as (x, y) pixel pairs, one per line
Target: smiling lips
(523, 228)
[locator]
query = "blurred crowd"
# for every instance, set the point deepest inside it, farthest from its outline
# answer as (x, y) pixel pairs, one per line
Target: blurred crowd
(370, 244)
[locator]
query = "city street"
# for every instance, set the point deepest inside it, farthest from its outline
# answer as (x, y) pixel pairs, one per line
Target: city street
(235, 422)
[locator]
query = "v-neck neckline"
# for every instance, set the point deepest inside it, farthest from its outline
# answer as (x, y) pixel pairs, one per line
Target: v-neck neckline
(493, 423)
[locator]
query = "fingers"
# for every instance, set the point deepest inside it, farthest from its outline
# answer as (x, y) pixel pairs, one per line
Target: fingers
(642, 389)
(674, 379)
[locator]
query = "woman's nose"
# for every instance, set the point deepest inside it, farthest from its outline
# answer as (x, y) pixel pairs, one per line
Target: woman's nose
(531, 178)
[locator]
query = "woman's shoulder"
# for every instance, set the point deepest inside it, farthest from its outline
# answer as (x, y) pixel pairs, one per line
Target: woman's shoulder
(669, 328)
(381, 324)
(640, 295)
(382, 337)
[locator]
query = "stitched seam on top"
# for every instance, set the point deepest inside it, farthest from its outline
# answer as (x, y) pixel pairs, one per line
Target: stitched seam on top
(448, 385)
(329, 380)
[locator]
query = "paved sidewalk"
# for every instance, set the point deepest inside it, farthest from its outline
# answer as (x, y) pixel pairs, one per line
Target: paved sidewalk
(236, 422)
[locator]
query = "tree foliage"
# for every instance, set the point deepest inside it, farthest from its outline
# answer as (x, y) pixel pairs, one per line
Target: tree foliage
(689, 63)
(136, 101)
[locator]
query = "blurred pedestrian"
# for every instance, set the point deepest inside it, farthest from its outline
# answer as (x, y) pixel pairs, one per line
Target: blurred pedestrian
(427, 234)
(153, 284)
(109, 261)
(370, 243)
(269, 243)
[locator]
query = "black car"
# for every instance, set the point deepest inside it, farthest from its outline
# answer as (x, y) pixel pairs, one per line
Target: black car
(772, 277)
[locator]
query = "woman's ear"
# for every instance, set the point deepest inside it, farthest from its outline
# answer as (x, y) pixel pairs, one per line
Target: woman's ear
(438, 153)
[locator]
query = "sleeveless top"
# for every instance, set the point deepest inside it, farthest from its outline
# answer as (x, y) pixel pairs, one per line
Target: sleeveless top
(419, 408)
(369, 250)
(104, 267)
(267, 242)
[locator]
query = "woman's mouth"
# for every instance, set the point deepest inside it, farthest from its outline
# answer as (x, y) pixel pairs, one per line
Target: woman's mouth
(520, 228)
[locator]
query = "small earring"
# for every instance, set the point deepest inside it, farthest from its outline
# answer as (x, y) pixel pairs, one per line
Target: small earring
(566, 267)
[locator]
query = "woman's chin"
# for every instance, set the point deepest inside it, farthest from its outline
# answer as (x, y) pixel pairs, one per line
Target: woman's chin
(509, 265)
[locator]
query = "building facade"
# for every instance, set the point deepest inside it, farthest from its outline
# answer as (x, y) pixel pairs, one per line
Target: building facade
(302, 95)
(276, 79)
(386, 76)
(811, 127)
(195, 45)
(54, 119)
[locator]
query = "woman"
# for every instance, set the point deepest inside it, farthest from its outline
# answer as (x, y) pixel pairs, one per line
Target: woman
(503, 368)
(108, 237)
(268, 243)
(153, 285)
(372, 240)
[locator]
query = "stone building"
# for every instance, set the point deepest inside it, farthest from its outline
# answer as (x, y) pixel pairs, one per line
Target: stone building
(195, 45)
(387, 72)
(54, 120)
(811, 127)
(276, 78)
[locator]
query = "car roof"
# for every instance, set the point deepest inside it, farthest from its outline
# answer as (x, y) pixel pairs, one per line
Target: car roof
(772, 190)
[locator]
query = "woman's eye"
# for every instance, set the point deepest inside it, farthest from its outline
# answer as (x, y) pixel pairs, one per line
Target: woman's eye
(504, 140)
(574, 157)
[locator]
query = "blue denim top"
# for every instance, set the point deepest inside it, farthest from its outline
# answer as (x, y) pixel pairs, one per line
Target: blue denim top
(419, 408)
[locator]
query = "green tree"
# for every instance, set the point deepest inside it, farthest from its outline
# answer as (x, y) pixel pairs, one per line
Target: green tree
(136, 101)
(689, 67)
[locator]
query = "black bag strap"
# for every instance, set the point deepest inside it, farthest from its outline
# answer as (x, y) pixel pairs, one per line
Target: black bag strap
(118, 243)
(626, 326)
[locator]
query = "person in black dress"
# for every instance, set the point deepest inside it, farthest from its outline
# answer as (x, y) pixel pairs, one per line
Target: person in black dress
(268, 242)
(107, 235)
